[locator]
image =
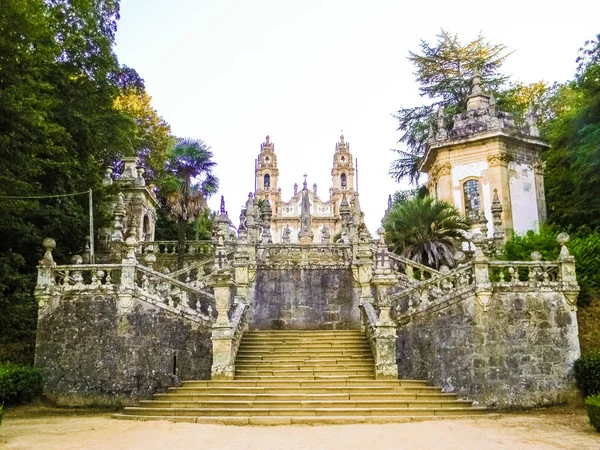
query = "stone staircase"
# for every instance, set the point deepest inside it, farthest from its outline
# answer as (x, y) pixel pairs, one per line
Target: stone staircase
(307, 377)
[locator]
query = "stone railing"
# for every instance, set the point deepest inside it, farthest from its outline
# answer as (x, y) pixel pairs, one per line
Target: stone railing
(83, 277)
(239, 324)
(168, 291)
(449, 284)
(512, 273)
(304, 255)
(369, 319)
(166, 248)
(411, 269)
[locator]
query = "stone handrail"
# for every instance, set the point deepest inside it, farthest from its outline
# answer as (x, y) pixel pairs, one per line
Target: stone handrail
(408, 267)
(174, 293)
(514, 272)
(166, 248)
(78, 276)
(239, 324)
(369, 321)
(450, 283)
(192, 266)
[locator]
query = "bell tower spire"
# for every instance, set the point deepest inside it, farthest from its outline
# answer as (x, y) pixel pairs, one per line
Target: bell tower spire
(267, 173)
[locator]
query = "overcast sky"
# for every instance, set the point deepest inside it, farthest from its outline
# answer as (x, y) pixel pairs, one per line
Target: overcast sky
(230, 72)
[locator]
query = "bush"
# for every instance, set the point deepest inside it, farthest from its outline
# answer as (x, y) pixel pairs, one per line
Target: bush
(592, 404)
(19, 383)
(587, 373)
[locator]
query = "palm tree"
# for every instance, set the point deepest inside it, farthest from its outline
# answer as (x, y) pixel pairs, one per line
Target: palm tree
(189, 181)
(425, 230)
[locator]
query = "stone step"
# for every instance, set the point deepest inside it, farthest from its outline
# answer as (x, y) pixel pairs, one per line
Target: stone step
(301, 353)
(303, 371)
(309, 359)
(268, 366)
(306, 383)
(194, 412)
(305, 390)
(303, 333)
(303, 396)
(304, 341)
(358, 348)
(307, 404)
(303, 420)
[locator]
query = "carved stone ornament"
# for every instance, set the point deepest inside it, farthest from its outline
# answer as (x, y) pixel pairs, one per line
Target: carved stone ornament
(498, 159)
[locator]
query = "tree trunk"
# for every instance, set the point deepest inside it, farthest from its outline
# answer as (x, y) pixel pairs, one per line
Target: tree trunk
(181, 241)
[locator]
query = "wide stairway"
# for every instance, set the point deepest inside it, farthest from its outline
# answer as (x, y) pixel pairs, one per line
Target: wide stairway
(307, 377)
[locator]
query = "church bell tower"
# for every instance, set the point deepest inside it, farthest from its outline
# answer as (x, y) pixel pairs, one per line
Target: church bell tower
(267, 173)
(342, 173)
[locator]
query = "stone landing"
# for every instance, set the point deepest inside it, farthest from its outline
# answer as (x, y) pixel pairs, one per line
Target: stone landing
(308, 377)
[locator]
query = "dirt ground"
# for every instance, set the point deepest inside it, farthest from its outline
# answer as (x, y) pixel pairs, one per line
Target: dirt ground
(46, 428)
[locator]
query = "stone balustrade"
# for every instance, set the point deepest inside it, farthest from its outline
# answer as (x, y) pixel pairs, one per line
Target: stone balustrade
(411, 269)
(510, 273)
(166, 248)
(78, 276)
(304, 255)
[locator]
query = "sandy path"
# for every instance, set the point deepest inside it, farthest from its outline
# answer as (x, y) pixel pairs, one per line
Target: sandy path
(546, 430)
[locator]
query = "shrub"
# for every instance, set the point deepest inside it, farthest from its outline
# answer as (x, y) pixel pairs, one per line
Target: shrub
(587, 373)
(592, 404)
(19, 383)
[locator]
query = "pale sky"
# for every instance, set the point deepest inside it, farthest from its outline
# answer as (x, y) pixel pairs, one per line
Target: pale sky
(230, 72)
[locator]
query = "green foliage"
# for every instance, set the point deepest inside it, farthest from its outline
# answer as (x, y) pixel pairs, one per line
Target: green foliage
(19, 384)
(587, 373)
(402, 196)
(592, 405)
(444, 71)
(425, 230)
(584, 245)
(572, 177)
(60, 124)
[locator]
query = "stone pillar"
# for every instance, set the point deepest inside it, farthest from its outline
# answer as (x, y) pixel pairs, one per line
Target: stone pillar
(223, 366)
(45, 279)
(481, 276)
(498, 177)
(568, 278)
(385, 340)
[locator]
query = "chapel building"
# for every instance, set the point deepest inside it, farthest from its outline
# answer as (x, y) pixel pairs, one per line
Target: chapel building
(489, 168)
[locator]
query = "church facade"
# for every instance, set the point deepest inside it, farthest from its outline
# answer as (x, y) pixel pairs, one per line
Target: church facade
(322, 220)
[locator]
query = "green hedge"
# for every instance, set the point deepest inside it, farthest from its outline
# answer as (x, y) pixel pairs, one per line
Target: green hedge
(19, 383)
(592, 404)
(587, 373)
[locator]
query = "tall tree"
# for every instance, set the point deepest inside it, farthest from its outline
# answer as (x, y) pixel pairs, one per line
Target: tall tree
(444, 71)
(572, 176)
(425, 230)
(188, 182)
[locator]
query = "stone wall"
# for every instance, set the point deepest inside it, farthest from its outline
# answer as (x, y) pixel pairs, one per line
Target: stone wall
(303, 298)
(93, 353)
(518, 353)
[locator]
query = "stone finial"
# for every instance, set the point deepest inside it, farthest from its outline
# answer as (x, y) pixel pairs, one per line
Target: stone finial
(492, 109)
(131, 242)
(304, 185)
(476, 88)
(482, 220)
(222, 209)
(345, 210)
(497, 219)
(390, 201)
(119, 214)
(140, 181)
(107, 180)
(150, 257)
(130, 172)
(441, 119)
(381, 232)
(267, 145)
(295, 189)
(49, 245)
(563, 239)
(76, 260)
(315, 189)
(430, 134)
(243, 220)
(477, 99)
(342, 145)
(531, 119)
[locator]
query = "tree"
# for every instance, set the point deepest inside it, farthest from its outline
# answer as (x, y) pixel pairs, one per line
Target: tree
(444, 71)
(188, 182)
(572, 176)
(425, 230)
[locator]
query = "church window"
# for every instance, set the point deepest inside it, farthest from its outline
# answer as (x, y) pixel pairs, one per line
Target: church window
(472, 197)
(267, 181)
(267, 159)
(343, 159)
(343, 181)
(146, 229)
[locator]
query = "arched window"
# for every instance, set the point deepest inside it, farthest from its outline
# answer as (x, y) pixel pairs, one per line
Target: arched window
(267, 181)
(343, 181)
(472, 197)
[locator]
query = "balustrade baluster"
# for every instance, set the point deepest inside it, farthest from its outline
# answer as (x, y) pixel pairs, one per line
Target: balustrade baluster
(108, 276)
